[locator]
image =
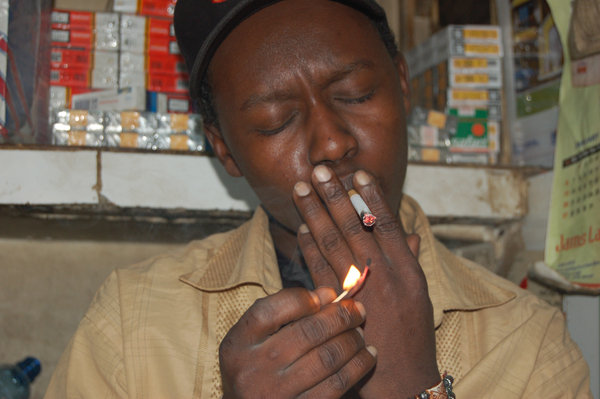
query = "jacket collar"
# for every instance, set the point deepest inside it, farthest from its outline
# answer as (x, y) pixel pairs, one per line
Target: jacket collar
(248, 257)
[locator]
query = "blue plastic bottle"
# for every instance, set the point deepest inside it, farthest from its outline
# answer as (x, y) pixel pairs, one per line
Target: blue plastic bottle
(15, 380)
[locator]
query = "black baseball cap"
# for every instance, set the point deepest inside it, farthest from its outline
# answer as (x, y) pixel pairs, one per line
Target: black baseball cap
(202, 25)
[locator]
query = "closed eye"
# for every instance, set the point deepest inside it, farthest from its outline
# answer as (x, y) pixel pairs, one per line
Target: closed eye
(359, 100)
(277, 130)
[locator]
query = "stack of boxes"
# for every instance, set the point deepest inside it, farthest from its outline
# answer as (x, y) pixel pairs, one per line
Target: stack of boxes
(458, 72)
(84, 50)
(121, 66)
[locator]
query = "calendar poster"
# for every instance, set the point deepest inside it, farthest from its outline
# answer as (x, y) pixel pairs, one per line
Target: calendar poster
(573, 239)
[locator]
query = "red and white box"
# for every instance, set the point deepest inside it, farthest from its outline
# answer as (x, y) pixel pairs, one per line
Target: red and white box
(157, 8)
(166, 63)
(72, 20)
(70, 58)
(82, 39)
(162, 45)
(160, 27)
(129, 99)
(70, 77)
(63, 58)
(168, 83)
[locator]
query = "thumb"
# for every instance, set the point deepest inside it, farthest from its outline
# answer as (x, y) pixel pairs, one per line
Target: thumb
(414, 243)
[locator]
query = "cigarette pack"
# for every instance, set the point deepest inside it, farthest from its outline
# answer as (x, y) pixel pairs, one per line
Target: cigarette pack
(132, 78)
(160, 27)
(168, 83)
(72, 38)
(135, 23)
(132, 62)
(471, 132)
(474, 65)
(104, 79)
(84, 21)
(162, 45)
(105, 61)
(70, 77)
(72, 20)
(131, 98)
(166, 63)
(476, 80)
(157, 8)
(60, 97)
(168, 103)
(133, 42)
(99, 40)
(108, 21)
(460, 42)
(125, 6)
(473, 97)
(70, 58)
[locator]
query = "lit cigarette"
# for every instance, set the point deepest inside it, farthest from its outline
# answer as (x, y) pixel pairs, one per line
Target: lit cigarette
(354, 280)
(362, 209)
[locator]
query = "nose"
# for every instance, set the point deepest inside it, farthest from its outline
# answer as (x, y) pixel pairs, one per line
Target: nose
(330, 136)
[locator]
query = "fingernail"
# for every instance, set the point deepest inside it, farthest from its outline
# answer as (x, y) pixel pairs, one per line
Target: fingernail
(361, 332)
(315, 298)
(362, 178)
(361, 308)
(372, 350)
(322, 173)
(302, 189)
(303, 229)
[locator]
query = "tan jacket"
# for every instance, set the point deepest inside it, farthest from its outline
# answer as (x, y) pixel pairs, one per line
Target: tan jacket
(153, 330)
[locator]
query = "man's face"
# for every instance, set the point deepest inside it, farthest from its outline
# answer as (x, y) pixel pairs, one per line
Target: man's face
(303, 83)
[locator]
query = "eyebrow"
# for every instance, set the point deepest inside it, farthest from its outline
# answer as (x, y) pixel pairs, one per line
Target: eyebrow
(286, 95)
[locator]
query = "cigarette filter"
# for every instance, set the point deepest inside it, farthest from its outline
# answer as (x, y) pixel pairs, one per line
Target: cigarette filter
(362, 209)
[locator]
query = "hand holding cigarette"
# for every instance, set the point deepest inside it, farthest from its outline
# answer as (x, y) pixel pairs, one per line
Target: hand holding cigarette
(399, 320)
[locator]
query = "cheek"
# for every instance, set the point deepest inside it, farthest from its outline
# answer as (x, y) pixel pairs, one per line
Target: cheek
(272, 167)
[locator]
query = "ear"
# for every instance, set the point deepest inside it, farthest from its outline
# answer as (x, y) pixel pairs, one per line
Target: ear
(404, 80)
(214, 137)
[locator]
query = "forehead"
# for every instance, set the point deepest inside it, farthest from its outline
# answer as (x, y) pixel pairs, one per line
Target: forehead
(292, 36)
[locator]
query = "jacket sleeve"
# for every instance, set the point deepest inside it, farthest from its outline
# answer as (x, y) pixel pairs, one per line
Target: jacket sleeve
(560, 371)
(92, 365)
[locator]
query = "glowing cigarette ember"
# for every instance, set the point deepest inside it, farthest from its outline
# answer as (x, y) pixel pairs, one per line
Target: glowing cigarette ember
(352, 283)
(362, 209)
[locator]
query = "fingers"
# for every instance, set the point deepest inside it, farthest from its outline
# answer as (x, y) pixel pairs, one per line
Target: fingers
(314, 330)
(267, 315)
(321, 272)
(388, 231)
(329, 239)
(346, 377)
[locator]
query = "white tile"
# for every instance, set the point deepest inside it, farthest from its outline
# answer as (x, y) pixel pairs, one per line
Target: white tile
(468, 192)
(47, 177)
(172, 181)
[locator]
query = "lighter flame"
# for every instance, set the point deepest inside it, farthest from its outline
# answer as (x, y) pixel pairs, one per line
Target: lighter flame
(351, 278)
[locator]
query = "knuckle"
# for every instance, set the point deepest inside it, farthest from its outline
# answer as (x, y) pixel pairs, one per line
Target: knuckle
(311, 209)
(388, 225)
(340, 381)
(331, 241)
(313, 330)
(335, 192)
(321, 267)
(260, 312)
(330, 355)
(226, 346)
(344, 315)
(351, 227)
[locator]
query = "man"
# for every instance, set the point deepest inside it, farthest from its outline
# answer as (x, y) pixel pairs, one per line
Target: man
(307, 99)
